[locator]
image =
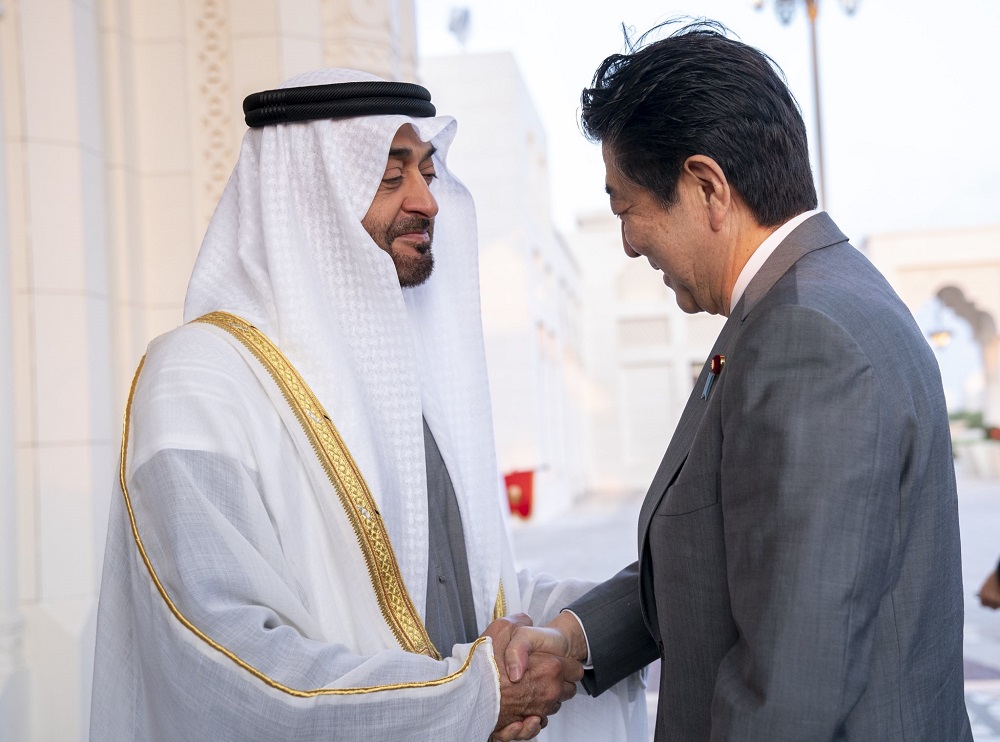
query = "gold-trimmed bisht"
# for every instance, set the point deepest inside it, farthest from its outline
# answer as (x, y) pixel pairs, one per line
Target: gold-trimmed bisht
(387, 581)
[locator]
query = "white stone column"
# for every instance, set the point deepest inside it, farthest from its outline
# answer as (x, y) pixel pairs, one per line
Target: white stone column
(379, 37)
(64, 421)
(13, 673)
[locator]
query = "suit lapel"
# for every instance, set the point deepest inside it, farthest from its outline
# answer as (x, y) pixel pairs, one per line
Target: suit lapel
(688, 425)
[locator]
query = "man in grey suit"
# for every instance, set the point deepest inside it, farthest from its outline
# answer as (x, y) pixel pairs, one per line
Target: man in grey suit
(798, 568)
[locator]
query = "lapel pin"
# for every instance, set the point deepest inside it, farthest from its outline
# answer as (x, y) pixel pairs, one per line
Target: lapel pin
(714, 369)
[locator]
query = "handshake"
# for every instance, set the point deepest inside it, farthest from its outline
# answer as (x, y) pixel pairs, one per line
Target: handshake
(539, 668)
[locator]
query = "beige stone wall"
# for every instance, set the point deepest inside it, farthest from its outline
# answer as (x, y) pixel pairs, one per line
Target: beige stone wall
(120, 123)
(13, 673)
(58, 290)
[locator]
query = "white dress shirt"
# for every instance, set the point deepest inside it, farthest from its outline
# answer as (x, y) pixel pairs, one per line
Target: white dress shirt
(762, 253)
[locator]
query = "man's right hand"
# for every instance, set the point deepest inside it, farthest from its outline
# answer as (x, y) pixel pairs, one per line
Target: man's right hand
(563, 636)
(544, 682)
(989, 593)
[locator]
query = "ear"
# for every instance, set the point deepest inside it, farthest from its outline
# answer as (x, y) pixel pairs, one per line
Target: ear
(712, 188)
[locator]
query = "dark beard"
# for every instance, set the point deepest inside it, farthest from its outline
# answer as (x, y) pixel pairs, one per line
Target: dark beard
(412, 271)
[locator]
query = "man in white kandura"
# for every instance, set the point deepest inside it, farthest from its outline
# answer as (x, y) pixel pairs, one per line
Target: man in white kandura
(307, 542)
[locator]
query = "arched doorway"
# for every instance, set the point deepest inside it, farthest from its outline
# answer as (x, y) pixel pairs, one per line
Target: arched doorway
(965, 341)
(984, 333)
(960, 269)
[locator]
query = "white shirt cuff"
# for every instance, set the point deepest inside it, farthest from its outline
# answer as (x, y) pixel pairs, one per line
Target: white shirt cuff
(588, 665)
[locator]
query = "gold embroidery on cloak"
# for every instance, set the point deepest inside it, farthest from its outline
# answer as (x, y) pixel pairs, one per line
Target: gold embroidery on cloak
(349, 484)
(215, 645)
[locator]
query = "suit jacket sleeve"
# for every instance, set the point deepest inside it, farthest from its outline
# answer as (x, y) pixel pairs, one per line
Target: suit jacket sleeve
(620, 643)
(809, 489)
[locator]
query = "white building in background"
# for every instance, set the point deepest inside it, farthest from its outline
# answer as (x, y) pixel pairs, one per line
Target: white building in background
(960, 268)
(642, 355)
(120, 122)
(531, 292)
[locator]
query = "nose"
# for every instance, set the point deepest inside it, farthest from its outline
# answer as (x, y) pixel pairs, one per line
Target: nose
(419, 199)
(625, 243)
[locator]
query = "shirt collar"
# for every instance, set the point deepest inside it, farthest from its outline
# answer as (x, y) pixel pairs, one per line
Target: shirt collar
(762, 253)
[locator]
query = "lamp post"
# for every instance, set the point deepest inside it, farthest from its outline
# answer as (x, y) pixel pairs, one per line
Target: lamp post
(458, 24)
(785, 10)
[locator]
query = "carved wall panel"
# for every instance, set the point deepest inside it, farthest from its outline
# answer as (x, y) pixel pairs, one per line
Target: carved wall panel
(212, 111)
(377, 36)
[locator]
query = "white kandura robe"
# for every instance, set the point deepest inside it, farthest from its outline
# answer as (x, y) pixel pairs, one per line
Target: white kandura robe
(235, 594)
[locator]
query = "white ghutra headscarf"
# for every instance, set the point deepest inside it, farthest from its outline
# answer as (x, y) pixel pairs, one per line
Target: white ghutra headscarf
(286, 250)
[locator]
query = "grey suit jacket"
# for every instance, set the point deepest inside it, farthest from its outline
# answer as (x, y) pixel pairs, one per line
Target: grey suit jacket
(799, 567)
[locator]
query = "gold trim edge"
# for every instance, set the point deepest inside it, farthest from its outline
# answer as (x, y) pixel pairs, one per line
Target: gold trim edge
(342, 471)
(184, 621)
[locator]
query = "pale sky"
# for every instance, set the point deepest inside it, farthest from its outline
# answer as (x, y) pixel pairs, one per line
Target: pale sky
(909, 91)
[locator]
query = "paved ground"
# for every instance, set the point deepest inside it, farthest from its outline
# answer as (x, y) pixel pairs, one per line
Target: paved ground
(598, 538)
(979, 510)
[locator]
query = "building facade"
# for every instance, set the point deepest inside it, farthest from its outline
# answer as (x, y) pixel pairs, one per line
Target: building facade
(958, 269)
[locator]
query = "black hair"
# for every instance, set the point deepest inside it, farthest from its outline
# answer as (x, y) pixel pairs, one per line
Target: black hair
(699, 92)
